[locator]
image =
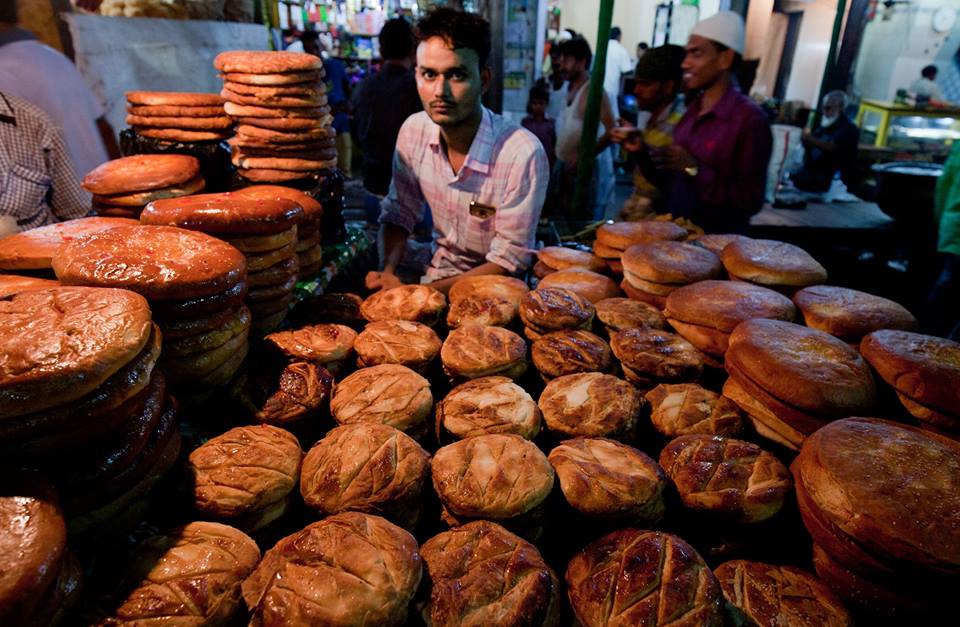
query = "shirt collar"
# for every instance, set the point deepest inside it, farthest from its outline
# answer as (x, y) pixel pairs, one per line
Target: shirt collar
(15, 34)
(724, 107)
(7, 114)
(480, 154)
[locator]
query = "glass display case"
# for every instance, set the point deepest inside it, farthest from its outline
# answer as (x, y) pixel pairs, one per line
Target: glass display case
(908, 129)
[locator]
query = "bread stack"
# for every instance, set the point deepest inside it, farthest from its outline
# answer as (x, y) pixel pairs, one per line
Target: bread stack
(279, 106)
(553, 258)
(122, 188)
(705, 313)
(726, 477)
(923, 370)
(613, 239)
(791, 380)
(246, 475)
(33, 250)
(716, 242)
(265, 231)
(777, 265)
(591, 285)
(80, 399)
(44, 579)
(178, 117)
(347, 569)
(554, 309)
(881, 502)
(309, 250)
(850, 314)
(195, 284)
(635, 577)
(652, 271)
(490, 300)
(619, 314)
(11, 284)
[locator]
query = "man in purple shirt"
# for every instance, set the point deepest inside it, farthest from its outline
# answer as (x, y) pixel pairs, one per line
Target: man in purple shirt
(722, 145)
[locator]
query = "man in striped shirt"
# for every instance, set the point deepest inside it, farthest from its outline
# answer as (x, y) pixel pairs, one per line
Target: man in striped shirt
(38, 184)
(483, 178)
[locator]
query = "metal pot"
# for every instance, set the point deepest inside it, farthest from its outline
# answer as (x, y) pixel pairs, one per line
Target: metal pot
(905, 189)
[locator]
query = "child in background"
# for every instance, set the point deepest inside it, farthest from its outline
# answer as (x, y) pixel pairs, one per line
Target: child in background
(538, 123)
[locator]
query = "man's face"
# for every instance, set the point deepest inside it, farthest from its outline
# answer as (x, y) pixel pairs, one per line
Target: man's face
(538, 107)
(450, 82)
(831, 108)
(572, 67)
(704, 63)
(651, 94)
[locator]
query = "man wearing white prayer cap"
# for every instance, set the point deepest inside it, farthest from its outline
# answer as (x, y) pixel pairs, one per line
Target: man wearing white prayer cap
(722, 145)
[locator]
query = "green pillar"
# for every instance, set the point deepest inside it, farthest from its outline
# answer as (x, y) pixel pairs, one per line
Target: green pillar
(591, 119)
(831, 64)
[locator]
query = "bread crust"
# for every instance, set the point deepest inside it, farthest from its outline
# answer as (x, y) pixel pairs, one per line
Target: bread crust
(488, 405)
(181, 134)
(622, 235)
(11, 284)
(723, 305)
(670, 262)
(687, 408)
(225, 214)
(137, 200)
(386, 394)
(922, 367)
(716, 242)
(591, 404)
(477, 351)
(173, 99)
(417, 303)
(570, 351)
(266, 62)
(312, 209)
(808, 369)
(769, 262)
(592, 286)
(175, 111)
(208, 123)
(509, 288)
(319, 343)
(562, 257)
(618, 314)
(306, 78)
(34, 249)
(274, 100)
(657, 355)
(140, 173)
(401, 342)
(492, 311)
(552, 309)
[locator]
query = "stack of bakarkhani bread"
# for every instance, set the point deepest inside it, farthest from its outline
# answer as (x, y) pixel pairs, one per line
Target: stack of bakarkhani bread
(264, 230)
(195, 284)
(178, 116)
(81, 399)
(122, 187)
(32, 251)
(279, 106)
(614, 238)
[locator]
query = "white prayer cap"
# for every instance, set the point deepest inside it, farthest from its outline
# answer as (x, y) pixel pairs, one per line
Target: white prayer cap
(725, 27)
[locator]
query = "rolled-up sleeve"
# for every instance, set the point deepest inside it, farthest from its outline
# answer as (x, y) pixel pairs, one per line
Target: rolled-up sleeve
(518, 215)
(403, 205)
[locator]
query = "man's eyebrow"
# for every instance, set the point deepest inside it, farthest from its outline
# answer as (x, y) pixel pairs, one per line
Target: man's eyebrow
(427, 68)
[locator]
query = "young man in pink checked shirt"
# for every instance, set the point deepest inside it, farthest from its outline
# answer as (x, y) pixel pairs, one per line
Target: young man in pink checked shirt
(483, 177)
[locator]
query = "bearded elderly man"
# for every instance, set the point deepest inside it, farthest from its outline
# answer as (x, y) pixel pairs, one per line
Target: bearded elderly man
(483, 178)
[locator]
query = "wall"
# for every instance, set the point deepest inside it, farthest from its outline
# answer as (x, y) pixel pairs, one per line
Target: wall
(813, 44)
(759, 14)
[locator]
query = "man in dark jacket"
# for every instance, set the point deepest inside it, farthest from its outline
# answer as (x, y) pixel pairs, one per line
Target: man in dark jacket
(830, 148)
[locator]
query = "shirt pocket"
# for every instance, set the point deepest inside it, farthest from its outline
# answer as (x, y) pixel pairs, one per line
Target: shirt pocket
(480, 232)
(24, 193)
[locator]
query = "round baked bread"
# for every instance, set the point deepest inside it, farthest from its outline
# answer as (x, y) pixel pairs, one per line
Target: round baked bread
(258, 244)
(687, 408)
(493, 311)
(477, 351)
(488, 405)
(768, 595)
(244, 470)
(140, 173)
(669, 262)
(401, 342)
(238, 324)
(209, 559)
(650, 357)
(850, 314)
(723, 305)
(552, 309)
(606, 479)
(311, 208)
(769, 262)
(290, 90)
(608, 254)
(622, 235)
(570, 351)
(347, 569)
(274, 100)
(265, 175)
(34, 249)
(192, 308)
(562, 257)
(60, 344)
(643, 579)
(726, 476)
(591, 404)
(266, 62)
(370, 468)
(225, 214)
(644, 297)
(417, 303)
(181, 135)
(173, 98)
(480, 574)
(309, 78)
(11, 284)
(387, 394)
(220, 122)
(319, 343)
(894, 490)
(136, 200)
(300, 390)
(159, 262)
(33, 536)
(176, 111)
(804, 368)
(716, 242)
(495, 476)
(280, 133)
(590, 285)
(618, 314)
(505, 287)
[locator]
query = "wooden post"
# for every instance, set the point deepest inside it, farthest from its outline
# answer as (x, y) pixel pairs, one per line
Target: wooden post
(591, 119)
(831, 65)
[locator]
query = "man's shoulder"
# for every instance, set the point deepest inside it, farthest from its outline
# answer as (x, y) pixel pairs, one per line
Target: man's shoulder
(31, 120)
(511, 139)
(416, 130)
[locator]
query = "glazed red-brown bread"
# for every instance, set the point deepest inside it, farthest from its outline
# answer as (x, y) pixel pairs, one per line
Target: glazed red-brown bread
(141, 173)
(622, 235)
(570, 351)
(34, 249)
(591, 285)
(670, 263)
(850, 314)
(224, 214)
(722, 305)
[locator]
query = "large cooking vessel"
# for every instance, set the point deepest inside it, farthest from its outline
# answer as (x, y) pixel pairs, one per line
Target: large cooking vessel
(905, 190)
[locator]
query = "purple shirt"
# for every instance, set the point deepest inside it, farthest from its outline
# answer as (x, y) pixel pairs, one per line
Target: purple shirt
(732, 144)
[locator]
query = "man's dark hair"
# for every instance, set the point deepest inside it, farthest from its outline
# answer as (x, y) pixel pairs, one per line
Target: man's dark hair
(309, 35)
(8, 11)
(578, 48)
(537, 92)
(615, 33)
(396, 39)
(458, 29)
(643, 45)
(929, 72)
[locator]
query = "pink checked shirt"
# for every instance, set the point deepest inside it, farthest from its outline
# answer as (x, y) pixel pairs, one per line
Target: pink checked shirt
(506, 169)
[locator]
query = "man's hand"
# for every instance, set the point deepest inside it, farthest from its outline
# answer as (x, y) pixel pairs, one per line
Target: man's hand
(381, 281)
(630, 137)
(673, 157)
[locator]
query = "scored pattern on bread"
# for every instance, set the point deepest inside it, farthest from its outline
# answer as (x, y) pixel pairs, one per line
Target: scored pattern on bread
(397, 342)
(387, 394)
